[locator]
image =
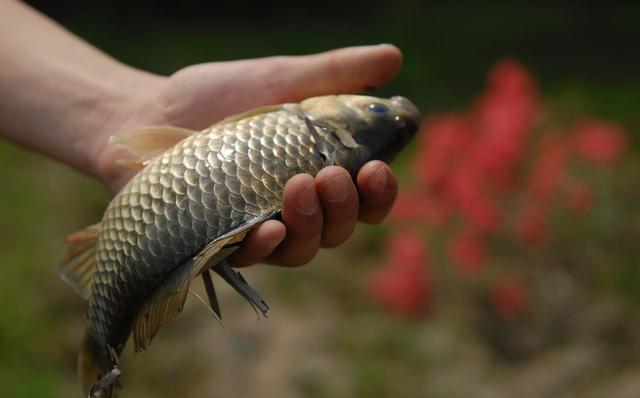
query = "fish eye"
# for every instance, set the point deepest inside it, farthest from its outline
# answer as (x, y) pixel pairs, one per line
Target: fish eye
(378, 109)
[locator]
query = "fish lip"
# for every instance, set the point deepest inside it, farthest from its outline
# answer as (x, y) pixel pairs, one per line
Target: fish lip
(411, 114)
(408, 116)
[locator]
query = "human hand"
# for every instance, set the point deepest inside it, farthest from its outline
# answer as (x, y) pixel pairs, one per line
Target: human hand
(317, 212)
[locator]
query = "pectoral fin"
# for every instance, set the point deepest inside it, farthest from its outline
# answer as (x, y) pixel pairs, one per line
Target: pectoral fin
(324, 150)
(341, 132)
(346, 138)
(168, 300)
(224, 245)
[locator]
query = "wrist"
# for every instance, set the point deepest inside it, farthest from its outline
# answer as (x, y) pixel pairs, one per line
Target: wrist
(62, 97)
(130, 99)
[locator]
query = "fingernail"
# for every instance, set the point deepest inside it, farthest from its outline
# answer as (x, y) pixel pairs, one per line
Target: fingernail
(378, 181)
(337, 188)
(307, 200)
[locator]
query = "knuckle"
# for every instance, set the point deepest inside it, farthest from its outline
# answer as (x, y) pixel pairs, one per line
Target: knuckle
(371, 217)
(336, 237)
(331, 242)
(306, 228)
(294, 262)
(380, 202)
(242, 261)
(301, 257)
(343, 213)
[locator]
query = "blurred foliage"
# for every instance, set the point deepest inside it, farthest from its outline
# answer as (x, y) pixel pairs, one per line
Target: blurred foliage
(323, 337)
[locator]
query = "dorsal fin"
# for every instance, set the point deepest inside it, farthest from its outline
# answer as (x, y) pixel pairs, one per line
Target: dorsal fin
(135, 164)
(150, 141)
(252, 112)
(78, 267)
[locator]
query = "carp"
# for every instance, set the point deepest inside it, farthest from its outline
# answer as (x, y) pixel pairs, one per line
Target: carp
(196, 196)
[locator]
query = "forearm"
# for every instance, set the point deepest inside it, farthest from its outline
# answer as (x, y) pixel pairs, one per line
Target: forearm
(58, 93)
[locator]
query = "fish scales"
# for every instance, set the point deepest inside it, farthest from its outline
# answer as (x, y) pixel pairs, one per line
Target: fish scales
(168, 242)
(194, 200)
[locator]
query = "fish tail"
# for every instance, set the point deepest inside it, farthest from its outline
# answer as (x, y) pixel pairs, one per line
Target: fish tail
(97, 368)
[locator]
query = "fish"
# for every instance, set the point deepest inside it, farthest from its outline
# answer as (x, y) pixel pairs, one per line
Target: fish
(195, 197)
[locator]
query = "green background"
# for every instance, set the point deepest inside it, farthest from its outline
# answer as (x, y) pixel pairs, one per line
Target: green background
(323, 338)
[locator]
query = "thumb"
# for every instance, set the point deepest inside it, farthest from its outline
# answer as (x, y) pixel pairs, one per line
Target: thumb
(345, 70)
(203, 93)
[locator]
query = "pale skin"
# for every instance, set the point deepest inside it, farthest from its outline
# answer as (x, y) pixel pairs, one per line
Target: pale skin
(63, 98)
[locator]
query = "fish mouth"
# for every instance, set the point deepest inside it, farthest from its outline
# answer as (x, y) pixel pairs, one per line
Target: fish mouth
(408, 117)
(407, 121)
(407, 110)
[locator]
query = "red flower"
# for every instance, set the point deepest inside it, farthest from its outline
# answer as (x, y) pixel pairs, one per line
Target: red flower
(599, 142)
(406, 207)
(512, 79)
(404, 289)
(404, 284)
(578, 197)
(548, 169)
(468, 251)
(467, 191)
(434, 211)
(530, 223)
(409, 207)
(509, 297)
(468, 168)
(482, 212)
(505, 116)
(444, 142)
(406, 248)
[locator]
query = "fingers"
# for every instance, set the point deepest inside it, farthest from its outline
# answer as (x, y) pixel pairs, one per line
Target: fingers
(302, 215)
(378, 189)
(317, 213)
(259, 243)
(320, 212)
(346, 70)
(339, 199)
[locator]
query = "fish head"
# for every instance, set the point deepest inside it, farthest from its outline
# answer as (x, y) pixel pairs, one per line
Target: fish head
(369, 127)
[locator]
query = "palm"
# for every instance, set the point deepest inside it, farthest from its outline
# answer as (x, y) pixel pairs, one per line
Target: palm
(199, 95)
